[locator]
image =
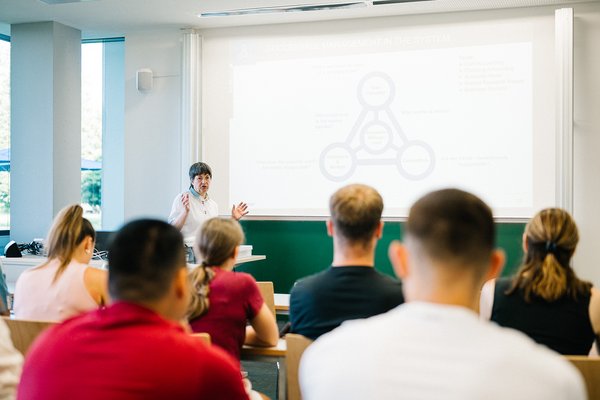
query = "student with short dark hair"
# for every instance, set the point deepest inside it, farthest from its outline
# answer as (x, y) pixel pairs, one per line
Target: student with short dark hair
(435, 346)
(136, 348)
(351, 288)
(545, 299)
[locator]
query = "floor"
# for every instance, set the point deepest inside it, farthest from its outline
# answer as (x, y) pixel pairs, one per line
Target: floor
(263, 375)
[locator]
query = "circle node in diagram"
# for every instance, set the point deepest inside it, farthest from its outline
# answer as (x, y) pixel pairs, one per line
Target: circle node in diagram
(338, 162)
(376, 137)
(376, 90)
(415, 160)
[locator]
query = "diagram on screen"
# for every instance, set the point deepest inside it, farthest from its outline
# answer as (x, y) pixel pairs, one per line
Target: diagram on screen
(377, 138)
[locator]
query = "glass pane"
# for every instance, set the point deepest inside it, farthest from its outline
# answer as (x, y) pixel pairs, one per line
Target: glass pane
(4, 134)
(91, 131)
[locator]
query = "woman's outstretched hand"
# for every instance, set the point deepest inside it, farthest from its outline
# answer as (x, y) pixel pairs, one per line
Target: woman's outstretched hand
(239, 211)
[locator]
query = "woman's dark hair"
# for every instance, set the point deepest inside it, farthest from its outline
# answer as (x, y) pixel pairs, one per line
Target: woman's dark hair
(551, 237)
(199, 168)
(216, 242)
(67, 232)
(144, 257)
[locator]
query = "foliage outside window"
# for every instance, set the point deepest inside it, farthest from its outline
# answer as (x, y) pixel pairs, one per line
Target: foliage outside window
(91, 130)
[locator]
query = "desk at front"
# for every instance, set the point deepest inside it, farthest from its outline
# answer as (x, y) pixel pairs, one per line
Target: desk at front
(14, 266)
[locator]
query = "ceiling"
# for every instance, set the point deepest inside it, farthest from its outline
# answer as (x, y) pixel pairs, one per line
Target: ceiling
(105, 18)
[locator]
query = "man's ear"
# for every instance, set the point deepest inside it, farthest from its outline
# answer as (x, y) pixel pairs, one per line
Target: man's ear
(236, 251)
(329, 224)
(497, 263)
(379, 230)
(399, 258)
(181, 284)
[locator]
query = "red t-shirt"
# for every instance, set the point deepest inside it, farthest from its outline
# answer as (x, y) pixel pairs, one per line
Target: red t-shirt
(234, 298)
(126, 352)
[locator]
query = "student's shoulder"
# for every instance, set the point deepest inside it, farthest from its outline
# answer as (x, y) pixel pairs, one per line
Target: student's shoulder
(214, 360)
(387, 279)
(242, 278)
(351, 334)
(529, 359)
(307, 285)
(311, 280)
(387, 284)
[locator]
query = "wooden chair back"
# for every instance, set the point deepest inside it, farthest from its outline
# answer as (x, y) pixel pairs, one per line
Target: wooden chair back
(202, 336)
(296, 344)
(590, 369)
(23, 332)
(268, 294)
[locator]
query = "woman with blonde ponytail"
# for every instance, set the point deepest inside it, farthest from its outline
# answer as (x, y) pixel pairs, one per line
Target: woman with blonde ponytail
(65, 285)
(545, 299)
(224, 301)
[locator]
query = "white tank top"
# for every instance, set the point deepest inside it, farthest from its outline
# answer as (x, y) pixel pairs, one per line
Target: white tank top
(38, 298)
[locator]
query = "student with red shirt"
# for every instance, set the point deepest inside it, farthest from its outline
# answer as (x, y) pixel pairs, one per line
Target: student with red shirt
(224, 301)
(135, 348)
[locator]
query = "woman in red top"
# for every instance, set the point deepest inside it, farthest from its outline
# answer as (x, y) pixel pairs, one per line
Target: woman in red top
(224, 301)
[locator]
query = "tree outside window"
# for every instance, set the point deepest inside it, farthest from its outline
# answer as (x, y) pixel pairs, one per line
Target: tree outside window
(91, 131)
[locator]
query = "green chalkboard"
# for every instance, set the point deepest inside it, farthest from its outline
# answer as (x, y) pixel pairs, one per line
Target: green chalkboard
(299, 248)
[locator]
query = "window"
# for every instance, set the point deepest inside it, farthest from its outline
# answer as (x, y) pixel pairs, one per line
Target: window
(4, 132)
(91, 130)
(92, 97)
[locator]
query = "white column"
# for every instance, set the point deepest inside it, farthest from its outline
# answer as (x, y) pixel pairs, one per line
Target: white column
(45, 125)
(113, 136)
(191, 102)
(564, 106)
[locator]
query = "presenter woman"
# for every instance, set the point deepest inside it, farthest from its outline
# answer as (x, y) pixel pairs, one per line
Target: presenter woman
(194, 206)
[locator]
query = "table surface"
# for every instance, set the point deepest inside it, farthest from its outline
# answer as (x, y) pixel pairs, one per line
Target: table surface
(14, 266)
(282, 302)
(275, 351)
(30, 260)
(251, 258)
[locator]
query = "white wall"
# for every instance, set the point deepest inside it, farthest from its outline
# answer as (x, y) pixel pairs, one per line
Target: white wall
(152, 124)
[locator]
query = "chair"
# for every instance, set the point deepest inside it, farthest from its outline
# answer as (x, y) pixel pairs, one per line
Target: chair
(296, 344)
(268, 294)
(590, 369)
(23, 333)
(202, 336)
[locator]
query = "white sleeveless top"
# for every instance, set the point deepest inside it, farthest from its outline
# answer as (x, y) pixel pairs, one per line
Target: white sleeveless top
(38, 298)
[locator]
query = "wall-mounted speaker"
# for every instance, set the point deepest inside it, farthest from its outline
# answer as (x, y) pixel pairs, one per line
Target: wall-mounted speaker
(143, 79)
